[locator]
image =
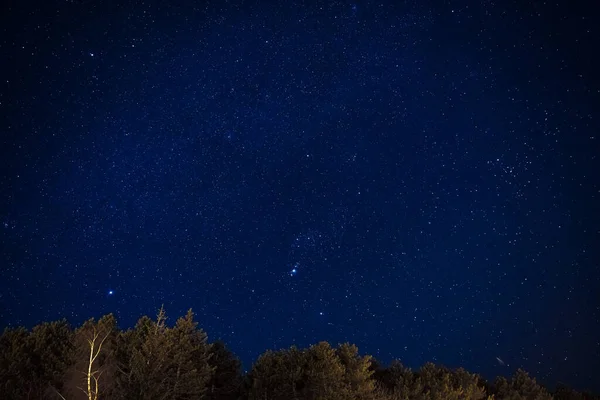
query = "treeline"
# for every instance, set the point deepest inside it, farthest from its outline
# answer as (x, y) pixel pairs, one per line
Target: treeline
(154, 361)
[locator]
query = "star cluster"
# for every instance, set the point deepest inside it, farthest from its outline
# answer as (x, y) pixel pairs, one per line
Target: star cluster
(418, 178)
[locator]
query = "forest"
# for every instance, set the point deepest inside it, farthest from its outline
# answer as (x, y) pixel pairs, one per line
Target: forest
(155, 361)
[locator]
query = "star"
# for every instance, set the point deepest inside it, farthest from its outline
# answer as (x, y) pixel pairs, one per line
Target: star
(294, 270)
(245, 176)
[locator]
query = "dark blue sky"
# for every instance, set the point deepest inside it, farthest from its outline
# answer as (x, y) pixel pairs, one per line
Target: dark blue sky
(419, 178)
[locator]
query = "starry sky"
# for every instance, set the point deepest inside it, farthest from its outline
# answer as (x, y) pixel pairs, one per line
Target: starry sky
(416, 177)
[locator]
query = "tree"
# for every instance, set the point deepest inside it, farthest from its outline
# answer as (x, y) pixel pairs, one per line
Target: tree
(32, 364)
(15, 363)
(153, 361)
(398, 382)
(190, 356)
(277, 375)
(527, 386)
(430, 382)
(93, 370)
(312, 374)
(471, 385)
(324, 374)
(564, 392)
(148, 363)
(129, 345)
(357, 372)
(226, 380)
(520, 387)
(163, 362)
(52, 351)
(441, 383)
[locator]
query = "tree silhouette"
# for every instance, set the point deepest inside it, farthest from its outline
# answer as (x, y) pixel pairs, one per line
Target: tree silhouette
(15, 363)
(226, 382)
(52, 352)
(520, 387)
(153, 361)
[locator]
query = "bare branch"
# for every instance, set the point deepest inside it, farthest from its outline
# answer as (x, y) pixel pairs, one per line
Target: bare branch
(58, 393)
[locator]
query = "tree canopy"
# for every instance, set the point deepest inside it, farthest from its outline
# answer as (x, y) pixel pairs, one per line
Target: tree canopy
(155, 361)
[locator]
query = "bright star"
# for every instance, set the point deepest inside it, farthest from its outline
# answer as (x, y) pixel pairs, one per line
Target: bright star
(110, 292)
(294, 269)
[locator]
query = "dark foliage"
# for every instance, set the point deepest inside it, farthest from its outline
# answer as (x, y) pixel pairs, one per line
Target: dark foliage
(155, 361)
(226, 381)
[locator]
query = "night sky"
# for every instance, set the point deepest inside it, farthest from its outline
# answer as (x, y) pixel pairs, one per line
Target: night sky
(419, 178)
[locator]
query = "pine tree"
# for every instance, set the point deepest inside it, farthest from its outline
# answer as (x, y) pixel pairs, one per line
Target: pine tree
(167, 363)
(520, 387)
(315, 373)
(190, 356)
(15, 364)
(129, 347)
(527, 387)
(150, 364)
(324, 374)
(226, 381)
(357, 372)
(471, 385)
(398, 382)
(51, 345)
(277, 375)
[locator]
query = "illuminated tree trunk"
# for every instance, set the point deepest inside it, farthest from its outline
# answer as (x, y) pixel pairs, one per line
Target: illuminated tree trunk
(94, 373)
(93, 362)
